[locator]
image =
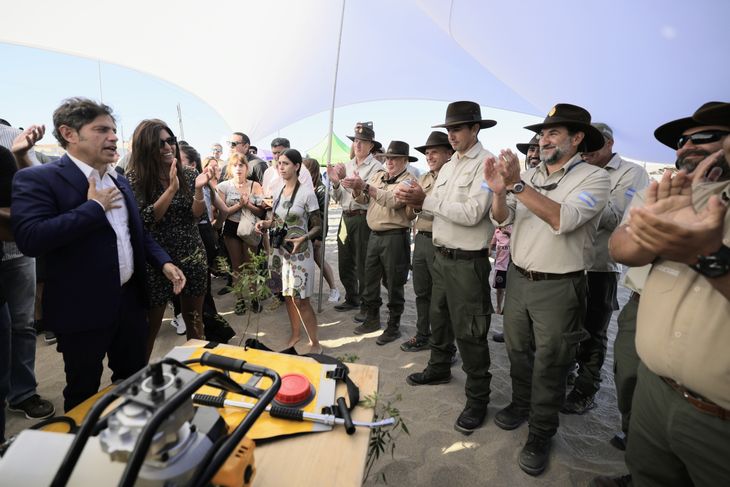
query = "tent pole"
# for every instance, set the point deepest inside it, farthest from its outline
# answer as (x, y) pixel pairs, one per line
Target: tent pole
(325, 223)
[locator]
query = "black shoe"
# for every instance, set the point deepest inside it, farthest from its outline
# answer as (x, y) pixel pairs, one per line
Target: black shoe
(511, 417)
(605, 481)
(224, 290)
(367, 327)
(619, 441)
(346, 306)
(415, 344)
(389, 335)
(427, 378)
(578, 403)
(49, 337)
(361, 317)
(498, 337)
(470, 419)
(534, 455)
(256, 306)
(34, 408)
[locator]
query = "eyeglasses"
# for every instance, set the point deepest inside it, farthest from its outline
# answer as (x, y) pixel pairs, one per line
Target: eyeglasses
(234, 144)
(704, 137)
(169, 141)
(552, 186)
(216, 149)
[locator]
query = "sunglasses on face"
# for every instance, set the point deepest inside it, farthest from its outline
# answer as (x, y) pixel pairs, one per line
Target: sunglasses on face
(704, 137)
(234, 144)
(171, 141)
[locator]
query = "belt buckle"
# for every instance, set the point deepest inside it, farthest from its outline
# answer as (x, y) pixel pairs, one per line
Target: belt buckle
(531, 275)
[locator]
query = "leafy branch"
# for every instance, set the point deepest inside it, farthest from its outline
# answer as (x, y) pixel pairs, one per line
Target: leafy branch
(382, 439)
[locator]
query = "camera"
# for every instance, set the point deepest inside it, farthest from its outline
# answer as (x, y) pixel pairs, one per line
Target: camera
(277, 235)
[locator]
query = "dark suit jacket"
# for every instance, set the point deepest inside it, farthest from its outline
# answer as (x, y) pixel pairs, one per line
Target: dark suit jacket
(51, 216)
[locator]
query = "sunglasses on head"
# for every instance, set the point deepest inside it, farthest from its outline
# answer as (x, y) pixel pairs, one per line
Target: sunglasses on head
(170, 141)
(704, 137)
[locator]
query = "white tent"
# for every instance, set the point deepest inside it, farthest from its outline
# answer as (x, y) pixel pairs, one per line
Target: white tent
(633, 64)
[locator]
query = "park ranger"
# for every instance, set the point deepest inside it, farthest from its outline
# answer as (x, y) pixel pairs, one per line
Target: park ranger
(460, 302)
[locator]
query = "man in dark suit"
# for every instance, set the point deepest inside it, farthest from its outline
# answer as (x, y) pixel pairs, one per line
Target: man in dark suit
(82, 216)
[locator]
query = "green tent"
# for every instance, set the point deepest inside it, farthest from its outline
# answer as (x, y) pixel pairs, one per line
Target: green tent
(340, 151)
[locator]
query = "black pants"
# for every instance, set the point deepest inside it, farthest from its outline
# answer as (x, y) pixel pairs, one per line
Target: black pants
(124, 342)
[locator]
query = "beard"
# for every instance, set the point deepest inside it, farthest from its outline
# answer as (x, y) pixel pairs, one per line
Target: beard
(719, 171)
(558, 153)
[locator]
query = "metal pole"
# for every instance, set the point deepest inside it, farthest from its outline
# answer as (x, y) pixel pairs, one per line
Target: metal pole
(98, 68)
(180, 122)
(325, 223)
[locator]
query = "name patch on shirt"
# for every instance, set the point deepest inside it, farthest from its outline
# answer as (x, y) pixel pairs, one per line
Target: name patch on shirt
(667, 270)
(587, 198)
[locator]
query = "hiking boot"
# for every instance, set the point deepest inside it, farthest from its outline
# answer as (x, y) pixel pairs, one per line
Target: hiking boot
(367, 327)
(470, 419)
(34, 408)
(605, 481)
(390, 334)
(498, 337)
(346, 306)
(534, 455)
(361, 317)
(511, 417)
(578, 403)
(415, 344)
(427, 378)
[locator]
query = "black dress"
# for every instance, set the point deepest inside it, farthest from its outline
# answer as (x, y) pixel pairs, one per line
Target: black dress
(177, 232)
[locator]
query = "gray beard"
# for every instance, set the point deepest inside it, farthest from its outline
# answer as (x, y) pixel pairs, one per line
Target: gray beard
(553, 159)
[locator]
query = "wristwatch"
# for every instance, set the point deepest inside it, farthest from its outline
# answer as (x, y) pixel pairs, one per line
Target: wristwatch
(518, 187)
(714, 265)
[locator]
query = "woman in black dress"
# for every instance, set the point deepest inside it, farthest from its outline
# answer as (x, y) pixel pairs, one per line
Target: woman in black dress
(171, 202)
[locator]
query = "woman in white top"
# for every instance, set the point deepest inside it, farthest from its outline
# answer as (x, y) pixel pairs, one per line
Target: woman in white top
(295, 218)
(239, 194)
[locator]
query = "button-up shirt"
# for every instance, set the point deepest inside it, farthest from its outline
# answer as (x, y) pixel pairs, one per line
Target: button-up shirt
(384, 212)
(118, 217)
(582, 192)
(424, 223)
(459, 203)
(626, 178)
(683, 325)
(365, 170)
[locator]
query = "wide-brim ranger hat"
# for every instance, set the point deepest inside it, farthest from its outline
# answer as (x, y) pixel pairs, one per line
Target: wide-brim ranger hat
(574, 117)
(717, 114)
(524, 147)
(464, 112)
(398, 148)
(436, 139)
(669, 133)
(365, 131)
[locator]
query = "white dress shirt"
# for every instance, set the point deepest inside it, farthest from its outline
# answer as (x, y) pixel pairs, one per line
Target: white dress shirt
(118, 217)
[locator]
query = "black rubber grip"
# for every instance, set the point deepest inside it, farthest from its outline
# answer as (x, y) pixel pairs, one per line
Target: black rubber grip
(209, 400)
(345, 413)
(286, 413)
(221, 362)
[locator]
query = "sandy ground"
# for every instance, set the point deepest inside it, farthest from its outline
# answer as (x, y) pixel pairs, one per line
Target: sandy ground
(434, 453)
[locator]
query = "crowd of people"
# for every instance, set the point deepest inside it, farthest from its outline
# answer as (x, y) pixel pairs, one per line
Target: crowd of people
(119, 241)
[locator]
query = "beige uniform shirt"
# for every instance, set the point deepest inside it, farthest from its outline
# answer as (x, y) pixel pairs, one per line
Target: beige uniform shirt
(683, 325)
(424, 223)
(459, 204)
(626, 180)
(366, 170)
(384, 212)
(635, 277)
(582, 192)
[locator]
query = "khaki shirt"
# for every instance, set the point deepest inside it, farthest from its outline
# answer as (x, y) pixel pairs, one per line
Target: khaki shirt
(384, 212)
(459, 204)
(683, 325)
(582, 193)
(635, 277)
(626, 180)
(366, 170)
(425, 220)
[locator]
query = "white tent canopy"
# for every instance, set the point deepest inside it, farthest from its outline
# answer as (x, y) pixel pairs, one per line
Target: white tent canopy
(633, 64)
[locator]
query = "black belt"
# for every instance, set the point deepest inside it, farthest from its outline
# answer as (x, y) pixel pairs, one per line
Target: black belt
(700, 404)
(354, 212)
(546, 276)
(457, 254)
(425, 234)
(395, 231)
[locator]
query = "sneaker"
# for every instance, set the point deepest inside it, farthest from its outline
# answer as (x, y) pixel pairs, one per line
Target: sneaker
(334, 296)
(224, 290)
(605, 481)
(346, 306)
(389, 335)
(578, 403)
(534, 455)
(498, 337)
(511, 417)
(49, 337)
(470, 419)
(427, 378)
(367, 328)
(34, 408)
(179, 324)
(415, 344)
